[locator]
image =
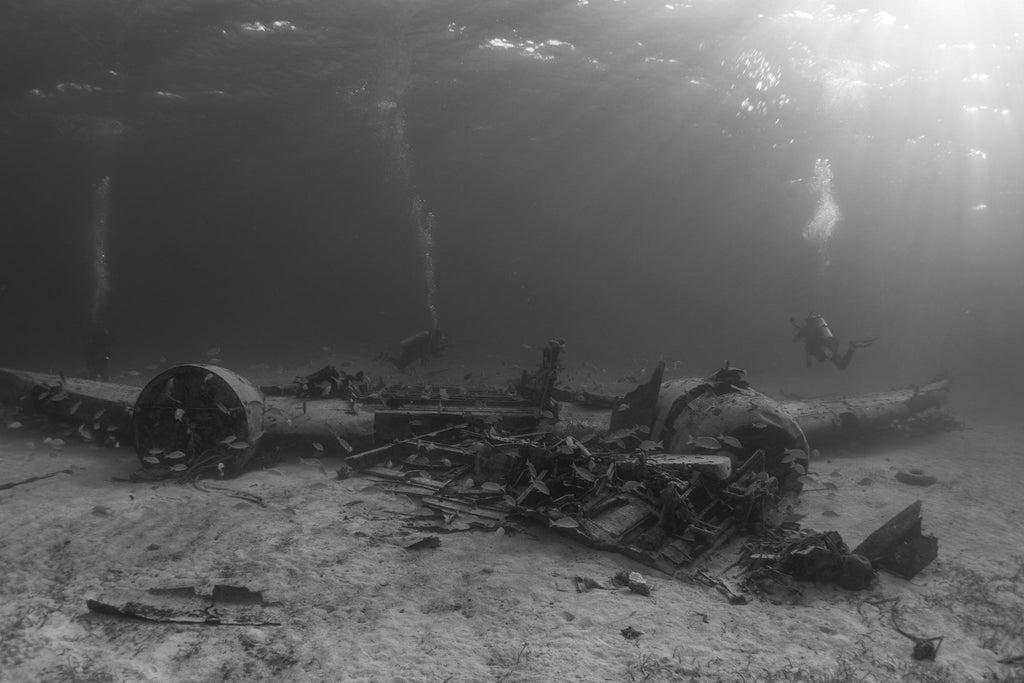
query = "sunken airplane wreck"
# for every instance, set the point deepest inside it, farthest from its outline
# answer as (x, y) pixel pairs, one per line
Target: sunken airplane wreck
(680, 467)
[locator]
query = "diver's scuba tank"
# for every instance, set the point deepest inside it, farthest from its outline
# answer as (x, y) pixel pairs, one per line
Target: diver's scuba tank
(821, 328)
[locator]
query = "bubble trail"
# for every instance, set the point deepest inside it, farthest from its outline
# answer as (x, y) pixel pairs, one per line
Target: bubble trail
(827, 215)
(100, 254)
(400, 167)
(424, 222)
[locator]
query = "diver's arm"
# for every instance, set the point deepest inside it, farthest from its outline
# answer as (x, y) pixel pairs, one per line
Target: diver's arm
(801, 330)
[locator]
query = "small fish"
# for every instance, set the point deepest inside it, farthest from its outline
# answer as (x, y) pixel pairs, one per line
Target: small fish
(730, 441)
(239, 445)
(175, 455)
(222, 408)
(344, 444)
(318, 447)
(151, 460)
(583, 473)
(179, 413)
(133, 373)
(156, 451)
(14, 425)
(704, 443)
(794, 454)
(227, 439)
(180, 467)
(215, 361)
(85, 433)
(99, 414)
(75, 407)
(617, 435)
(213, 351)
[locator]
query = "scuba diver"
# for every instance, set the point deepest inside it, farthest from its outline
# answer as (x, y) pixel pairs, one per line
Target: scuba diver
(820, 343)
(97, 356)
(421, 346)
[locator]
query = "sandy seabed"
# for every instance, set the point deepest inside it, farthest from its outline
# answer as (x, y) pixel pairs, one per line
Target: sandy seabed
(354, 604)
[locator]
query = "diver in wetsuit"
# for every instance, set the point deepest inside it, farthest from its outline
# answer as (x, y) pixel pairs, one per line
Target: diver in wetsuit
(97, 356)
(421, 346)
(820, 343)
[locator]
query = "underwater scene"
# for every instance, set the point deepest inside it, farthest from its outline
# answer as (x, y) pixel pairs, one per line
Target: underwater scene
(518, 341)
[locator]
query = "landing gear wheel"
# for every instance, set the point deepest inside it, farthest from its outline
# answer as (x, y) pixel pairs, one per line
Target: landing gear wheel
(192, 419)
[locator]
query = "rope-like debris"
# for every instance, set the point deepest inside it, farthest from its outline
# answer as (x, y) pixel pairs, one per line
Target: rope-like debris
(12, 484)
(924, 648)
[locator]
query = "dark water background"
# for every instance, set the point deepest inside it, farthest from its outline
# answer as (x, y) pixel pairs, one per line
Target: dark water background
(636, 177)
